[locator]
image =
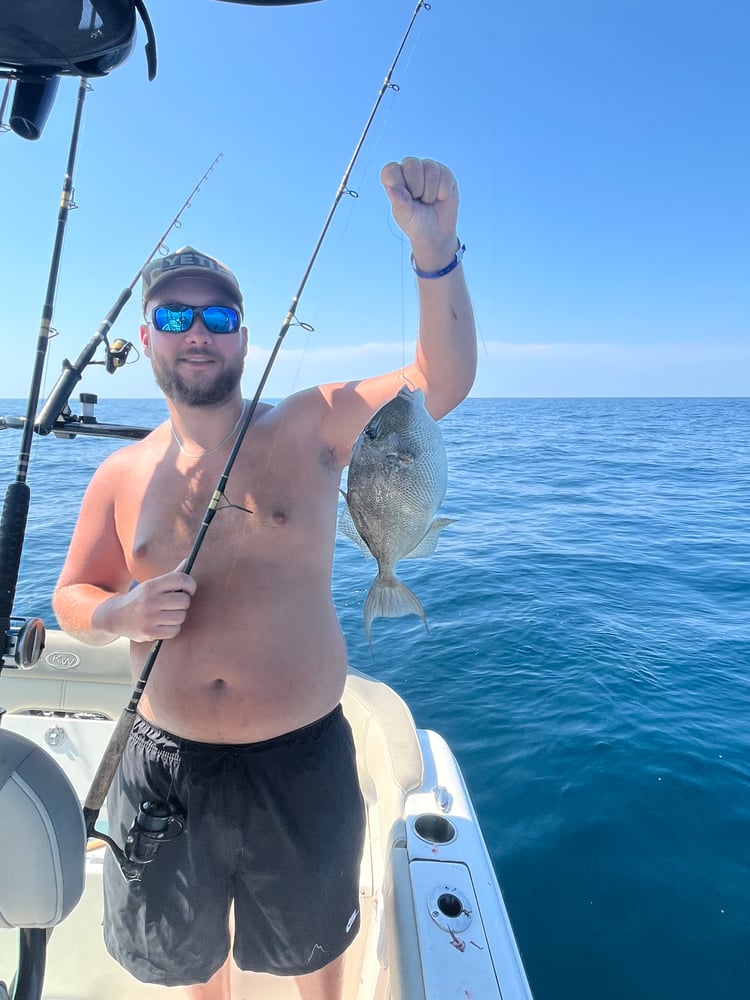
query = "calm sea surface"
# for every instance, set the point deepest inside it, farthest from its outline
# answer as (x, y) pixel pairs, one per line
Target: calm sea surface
(588, 660)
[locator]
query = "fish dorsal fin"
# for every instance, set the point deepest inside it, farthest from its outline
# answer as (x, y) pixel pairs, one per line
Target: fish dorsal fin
(429, 541)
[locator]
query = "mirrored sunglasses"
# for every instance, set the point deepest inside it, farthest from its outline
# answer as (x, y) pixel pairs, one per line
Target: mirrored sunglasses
(178, 318)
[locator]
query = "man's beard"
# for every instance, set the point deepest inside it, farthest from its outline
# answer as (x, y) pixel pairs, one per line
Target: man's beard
(178, 390)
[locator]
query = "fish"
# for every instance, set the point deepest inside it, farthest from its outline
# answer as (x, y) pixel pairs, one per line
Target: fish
(398, 474)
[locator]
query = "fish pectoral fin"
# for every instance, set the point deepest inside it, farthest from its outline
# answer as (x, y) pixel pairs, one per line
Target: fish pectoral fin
(389, 598)
(347, 527)
(429, 541)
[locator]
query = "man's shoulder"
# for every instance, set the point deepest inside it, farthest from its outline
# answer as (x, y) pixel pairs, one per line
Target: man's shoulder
(306, 404)
(310, 418)
(135, 455)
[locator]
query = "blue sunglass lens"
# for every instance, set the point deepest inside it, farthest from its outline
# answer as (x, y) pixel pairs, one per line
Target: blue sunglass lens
(177, 319)
(220, 319)
(170, 320)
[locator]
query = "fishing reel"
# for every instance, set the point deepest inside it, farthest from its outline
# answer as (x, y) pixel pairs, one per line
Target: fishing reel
(24, 641)
(117, 355)
(154, 825)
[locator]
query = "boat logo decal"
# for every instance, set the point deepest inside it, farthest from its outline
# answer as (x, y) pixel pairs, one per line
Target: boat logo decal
(60, 660)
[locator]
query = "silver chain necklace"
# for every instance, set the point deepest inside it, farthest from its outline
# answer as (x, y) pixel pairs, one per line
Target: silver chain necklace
(205, 454)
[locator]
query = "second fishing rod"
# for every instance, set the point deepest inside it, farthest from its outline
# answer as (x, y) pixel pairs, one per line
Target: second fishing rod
(114, 750)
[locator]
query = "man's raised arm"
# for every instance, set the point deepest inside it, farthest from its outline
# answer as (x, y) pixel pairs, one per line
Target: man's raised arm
(424, 200)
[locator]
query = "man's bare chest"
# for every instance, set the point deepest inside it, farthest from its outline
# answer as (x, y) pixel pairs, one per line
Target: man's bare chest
(271, 502)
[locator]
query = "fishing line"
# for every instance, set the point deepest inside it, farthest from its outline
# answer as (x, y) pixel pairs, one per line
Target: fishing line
(403, 305)
(391, 91)
(354, 194)
(114, 750)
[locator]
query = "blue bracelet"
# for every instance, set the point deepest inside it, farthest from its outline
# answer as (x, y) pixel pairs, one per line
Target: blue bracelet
(443, 270)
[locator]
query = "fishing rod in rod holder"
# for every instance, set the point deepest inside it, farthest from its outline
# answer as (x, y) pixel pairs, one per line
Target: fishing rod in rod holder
(27, 639)
(22, 640)
(55, 416)
(114, 749)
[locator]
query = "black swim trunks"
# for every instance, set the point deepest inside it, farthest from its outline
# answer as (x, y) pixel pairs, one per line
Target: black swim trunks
(275, 827)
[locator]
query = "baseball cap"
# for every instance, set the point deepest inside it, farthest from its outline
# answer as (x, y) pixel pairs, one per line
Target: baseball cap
(187, 262)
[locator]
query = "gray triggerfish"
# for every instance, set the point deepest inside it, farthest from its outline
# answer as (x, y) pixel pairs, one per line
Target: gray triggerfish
(396, 482)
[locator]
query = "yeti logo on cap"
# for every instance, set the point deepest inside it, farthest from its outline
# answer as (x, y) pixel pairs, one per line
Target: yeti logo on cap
(191, 259)
(189, 263)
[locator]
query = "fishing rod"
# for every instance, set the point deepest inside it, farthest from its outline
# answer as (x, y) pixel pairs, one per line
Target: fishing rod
(116, 746)
(26, 641)
(117, 353)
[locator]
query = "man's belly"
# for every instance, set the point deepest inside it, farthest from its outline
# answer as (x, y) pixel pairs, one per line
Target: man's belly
(236, 684)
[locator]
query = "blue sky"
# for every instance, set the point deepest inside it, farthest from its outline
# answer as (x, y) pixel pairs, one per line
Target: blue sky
(602, 152)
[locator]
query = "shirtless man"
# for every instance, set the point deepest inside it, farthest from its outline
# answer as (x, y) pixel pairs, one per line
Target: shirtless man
(240, 723)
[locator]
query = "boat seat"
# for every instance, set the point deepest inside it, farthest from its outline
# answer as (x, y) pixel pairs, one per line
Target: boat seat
(386, 738)
(42, 837)
(390, 765)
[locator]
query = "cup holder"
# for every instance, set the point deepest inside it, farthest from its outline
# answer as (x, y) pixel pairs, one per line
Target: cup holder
(434, 829)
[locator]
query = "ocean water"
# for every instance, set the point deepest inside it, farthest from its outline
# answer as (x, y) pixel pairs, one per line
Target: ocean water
(588, 660)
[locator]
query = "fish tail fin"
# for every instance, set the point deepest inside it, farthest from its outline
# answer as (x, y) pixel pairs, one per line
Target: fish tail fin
(389, 598)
